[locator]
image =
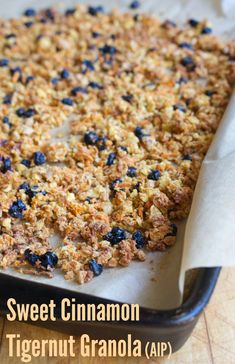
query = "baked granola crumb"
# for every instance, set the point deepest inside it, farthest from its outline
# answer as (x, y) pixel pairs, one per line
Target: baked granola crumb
(105, 120)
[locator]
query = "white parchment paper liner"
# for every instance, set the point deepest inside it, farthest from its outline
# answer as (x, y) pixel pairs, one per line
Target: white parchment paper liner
(209, 239)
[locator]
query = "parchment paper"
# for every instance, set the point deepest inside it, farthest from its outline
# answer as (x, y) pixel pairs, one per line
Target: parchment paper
(210, 229)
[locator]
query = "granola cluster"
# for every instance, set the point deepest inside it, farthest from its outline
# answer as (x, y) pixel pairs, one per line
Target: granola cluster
(104, 122)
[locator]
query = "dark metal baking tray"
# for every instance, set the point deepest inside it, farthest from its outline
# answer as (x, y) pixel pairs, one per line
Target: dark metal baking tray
(174, 326)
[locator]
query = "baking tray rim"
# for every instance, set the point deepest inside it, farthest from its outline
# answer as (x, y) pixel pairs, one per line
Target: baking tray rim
(189, 310)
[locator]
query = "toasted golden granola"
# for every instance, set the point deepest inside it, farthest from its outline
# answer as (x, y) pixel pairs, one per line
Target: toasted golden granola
(105, 120)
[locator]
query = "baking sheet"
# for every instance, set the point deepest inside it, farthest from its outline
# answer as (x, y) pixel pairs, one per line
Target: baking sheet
(210, 231)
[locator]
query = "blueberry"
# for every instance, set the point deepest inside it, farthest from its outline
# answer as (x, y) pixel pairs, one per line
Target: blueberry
(116, 235)
(231, 59)
(131, 172)
(123, 148)
(29, 79)
(16, 70)
(182, 80)
(139, 132)
(87, 66)
(136, 187)
(194, 23)
(30, 12)
(77, 90)
(29, 113)
(111, 158)
(24, 186)
(64, 73)
(49, 14)
(96, 268)
(107, 49)
(67, 101)
(206, 30)
(179, 107)
(21, 205)
(7, 99)
(209, 93)
(55, 80)
(28, 24)
(6, 120)
(31, 257)
(134, 5)
(95, 85)
(39, 158)
(139, 239)
(101, 143)
(94, 10)
(30, 191)
(186, 45)
(91, 138)
(187, 157)
(70, 11)
(154, 175)
(127, 98)
(16, 209)
(95, 34)
(4, 62)
(49, 259)
(188, 62)
(6, 165)
(113, 184)
(20, 112)
(26, 163)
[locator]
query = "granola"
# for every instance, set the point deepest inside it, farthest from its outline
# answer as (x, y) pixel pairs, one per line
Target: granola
(105, 120)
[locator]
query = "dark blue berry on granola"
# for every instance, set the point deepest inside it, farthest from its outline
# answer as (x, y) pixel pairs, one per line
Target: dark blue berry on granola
(95, 267)
(91, 138)
(134, 4)
(87, 65)
(187, 157)
(26, 163)
(108, 50)
(39, 158)
(16, 209)
(94, 10)
(6, 165)
(31, 257)
(186, 45)
(4, 62)
(95, 85)
(70, 11)
(131, 172)
(154, 175)
(64, 74)
(78, 90)
(127, 98)
(193, 22)
(48, 260)
(30, 12)
(111, 158)
(116, 235)
(206, 30)
(179, 107)
(113, 184)
(139, 239)
(139, 132)
(67, 101)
